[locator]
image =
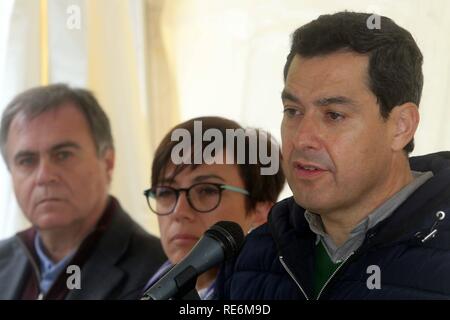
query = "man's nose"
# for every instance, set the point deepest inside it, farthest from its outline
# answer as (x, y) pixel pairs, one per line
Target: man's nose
(308, 133)
(46, 172)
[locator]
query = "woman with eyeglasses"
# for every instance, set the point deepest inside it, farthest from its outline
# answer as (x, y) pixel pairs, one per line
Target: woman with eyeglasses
(190, 198)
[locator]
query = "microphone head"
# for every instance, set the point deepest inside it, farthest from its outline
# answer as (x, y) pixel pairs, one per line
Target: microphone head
(229, 234)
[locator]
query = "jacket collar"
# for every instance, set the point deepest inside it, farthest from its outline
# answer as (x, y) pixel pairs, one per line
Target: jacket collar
(415, 218)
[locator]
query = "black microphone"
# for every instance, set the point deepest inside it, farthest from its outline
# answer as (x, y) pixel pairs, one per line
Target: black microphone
(220, 242)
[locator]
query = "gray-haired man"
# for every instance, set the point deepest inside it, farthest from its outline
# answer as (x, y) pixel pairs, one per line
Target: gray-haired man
(58, 147)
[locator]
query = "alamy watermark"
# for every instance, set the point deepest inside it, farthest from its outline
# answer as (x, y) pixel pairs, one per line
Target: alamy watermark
(235, 147)
(373, 22)
(74, 280)
(374, 280)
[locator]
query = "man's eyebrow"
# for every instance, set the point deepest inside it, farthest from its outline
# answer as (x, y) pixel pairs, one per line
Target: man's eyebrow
(23, 154)
(207, 177)
(286, 95)
(59, 146)
(323, 102)
(63, 145)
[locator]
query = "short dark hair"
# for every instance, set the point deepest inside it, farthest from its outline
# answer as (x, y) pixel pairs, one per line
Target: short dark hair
(261, 188)
(395, 60)
(38, 100)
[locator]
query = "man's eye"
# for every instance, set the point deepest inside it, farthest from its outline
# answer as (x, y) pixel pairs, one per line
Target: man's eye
(291, 112)
(335, 116)
(29, 161)
(63, 155)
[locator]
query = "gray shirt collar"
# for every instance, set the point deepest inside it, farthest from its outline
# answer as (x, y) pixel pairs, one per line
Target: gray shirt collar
(357, 235)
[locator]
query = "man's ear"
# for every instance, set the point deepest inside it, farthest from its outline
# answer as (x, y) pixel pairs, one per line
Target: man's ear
(405, 119)
(259, 214)
(109, 158)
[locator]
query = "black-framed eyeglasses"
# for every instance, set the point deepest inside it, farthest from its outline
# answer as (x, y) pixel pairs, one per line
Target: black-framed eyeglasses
(202, 197)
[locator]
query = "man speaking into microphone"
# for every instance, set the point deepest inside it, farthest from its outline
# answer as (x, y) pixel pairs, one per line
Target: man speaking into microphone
(366, 220)
(190, 198)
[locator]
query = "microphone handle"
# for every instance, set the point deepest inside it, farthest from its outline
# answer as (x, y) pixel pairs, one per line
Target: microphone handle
(185, 281)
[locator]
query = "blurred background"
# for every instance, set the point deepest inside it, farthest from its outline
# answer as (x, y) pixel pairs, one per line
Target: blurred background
(154, 63)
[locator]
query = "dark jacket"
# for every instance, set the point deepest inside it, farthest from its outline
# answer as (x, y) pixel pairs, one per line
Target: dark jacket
(116, 264)
(277, 259)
